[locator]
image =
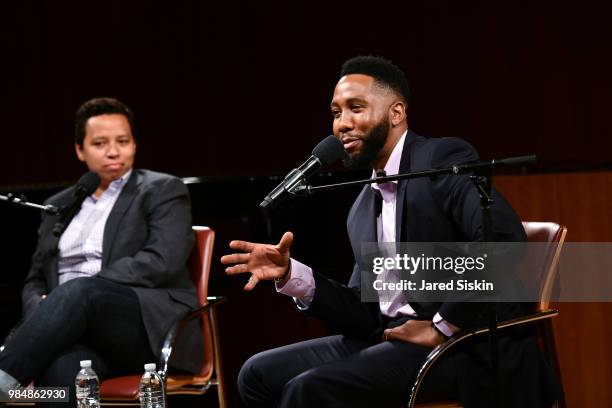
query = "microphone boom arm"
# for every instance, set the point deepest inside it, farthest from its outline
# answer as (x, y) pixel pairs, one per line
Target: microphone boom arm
(485, 166)
(22, 201)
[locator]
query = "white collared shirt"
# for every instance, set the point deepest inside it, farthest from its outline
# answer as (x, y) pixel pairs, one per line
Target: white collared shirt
(80, 246)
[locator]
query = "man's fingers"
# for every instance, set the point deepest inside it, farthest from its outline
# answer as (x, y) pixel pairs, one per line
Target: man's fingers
(251, 283)
(285, 241)
(395, 333)
(240, 268)
(387, 334)
(242, 245)
(235, 258)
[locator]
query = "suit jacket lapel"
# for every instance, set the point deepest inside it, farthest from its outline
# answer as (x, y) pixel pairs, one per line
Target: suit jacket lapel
(121, 205)
(400, 231)
(362, 229)
(363, 223)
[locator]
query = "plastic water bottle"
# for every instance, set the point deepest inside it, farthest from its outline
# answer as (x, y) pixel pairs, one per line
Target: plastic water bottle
(151, 388)
(87, 387)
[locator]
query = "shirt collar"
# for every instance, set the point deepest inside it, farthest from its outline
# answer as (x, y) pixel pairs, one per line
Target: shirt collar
(120, 182)
(115, 185)
(393, 164)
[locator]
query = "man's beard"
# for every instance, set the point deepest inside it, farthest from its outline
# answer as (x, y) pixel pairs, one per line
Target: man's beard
(370, 146)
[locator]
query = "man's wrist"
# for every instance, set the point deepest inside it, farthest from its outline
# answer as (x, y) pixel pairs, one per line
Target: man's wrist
(444, 336)
(283, 279)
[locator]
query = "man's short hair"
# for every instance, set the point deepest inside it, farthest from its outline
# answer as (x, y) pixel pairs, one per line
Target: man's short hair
(384, 72)
(96, 107)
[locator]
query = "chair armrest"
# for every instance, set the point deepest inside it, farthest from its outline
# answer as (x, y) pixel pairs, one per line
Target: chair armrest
(441, 349)
(177, 327)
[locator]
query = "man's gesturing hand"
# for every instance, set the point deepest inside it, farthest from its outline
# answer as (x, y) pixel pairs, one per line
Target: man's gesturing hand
(263, 261)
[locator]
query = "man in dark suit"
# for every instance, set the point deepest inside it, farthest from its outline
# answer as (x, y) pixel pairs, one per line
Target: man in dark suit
(110, 286)
(375, 358)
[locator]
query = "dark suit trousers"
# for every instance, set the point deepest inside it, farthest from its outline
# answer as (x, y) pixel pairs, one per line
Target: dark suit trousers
(83, 319)
(339, 371)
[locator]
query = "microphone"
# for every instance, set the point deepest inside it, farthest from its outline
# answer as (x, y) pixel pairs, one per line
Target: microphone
(325, 153)
(87, 184)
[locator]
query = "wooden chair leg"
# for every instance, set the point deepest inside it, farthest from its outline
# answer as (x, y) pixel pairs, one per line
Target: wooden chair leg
(217, 355)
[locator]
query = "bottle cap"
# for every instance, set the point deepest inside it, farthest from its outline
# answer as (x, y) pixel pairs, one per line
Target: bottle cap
(150, 367)
(85, 363)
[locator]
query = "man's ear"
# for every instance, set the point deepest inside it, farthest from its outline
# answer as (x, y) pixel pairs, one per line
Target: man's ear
(79, 152)
(397, 113)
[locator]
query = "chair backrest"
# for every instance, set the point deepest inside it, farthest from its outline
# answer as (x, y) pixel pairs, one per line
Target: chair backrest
(553, 234)
(199, 268)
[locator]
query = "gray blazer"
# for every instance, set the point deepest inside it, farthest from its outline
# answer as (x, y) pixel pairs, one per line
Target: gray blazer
(147, 241)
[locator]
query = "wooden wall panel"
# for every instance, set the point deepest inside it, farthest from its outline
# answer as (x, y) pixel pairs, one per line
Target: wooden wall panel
(583, 203)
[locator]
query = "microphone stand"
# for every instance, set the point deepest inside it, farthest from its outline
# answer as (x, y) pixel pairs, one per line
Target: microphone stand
(21, 200)
(482, 179)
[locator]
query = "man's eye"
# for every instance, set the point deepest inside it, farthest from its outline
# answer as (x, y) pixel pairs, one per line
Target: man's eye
(335, 114)
(356, 108)
(123, 142)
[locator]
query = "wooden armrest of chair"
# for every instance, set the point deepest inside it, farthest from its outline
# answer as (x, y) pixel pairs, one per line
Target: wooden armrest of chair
(441, 349)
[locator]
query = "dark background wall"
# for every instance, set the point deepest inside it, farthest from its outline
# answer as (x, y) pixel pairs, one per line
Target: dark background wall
(215, 85)
(228, 91)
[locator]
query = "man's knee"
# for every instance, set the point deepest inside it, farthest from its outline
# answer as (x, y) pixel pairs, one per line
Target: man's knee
(70, 296)
(304, 382)
(74, 301)
(261, 379)
(75, 288)
(79, 292)
(306, 388)
(250, 376)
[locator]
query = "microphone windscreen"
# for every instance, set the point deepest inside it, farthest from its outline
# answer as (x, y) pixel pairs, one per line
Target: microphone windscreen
(328, 150)
(88, 183)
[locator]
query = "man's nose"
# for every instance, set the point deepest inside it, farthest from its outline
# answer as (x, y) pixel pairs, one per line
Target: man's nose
(113, 150)
(346, 123)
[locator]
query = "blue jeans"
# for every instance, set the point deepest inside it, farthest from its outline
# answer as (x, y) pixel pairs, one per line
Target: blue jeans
(83, 319)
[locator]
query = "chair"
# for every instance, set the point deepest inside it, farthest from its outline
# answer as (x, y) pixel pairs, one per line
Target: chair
(551, 233)
(124, 390)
